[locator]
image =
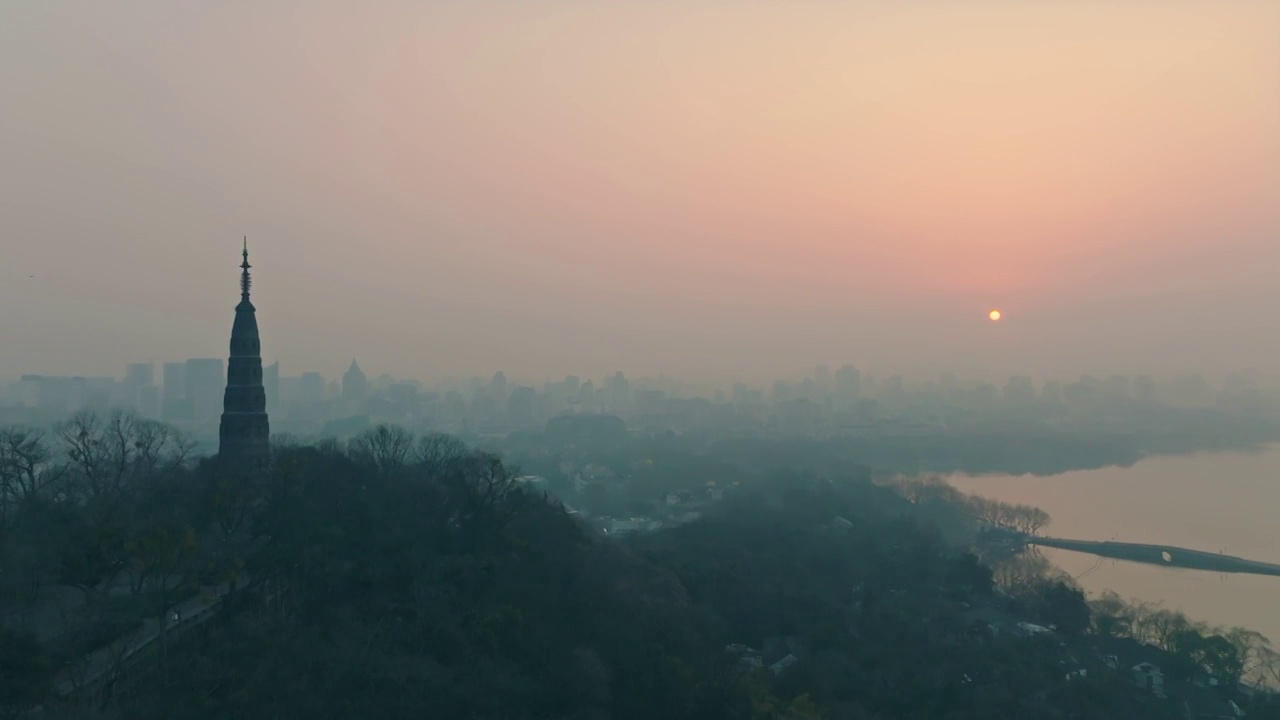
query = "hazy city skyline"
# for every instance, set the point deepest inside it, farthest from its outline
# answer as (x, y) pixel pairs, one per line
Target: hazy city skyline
(738, 192)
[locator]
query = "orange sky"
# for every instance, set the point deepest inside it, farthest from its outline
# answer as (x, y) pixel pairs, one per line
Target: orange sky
(711, 188)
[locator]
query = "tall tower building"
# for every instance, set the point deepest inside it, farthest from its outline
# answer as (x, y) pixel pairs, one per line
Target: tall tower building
(243, 437)
(173, 405)
(355, 385)
(206, 382)
(271, 384)
(138, 377)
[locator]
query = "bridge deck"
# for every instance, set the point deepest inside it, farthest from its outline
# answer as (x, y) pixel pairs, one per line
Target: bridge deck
(1164, 555)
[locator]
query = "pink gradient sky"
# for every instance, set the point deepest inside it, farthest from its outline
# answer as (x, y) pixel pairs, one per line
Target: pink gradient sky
(714, 189)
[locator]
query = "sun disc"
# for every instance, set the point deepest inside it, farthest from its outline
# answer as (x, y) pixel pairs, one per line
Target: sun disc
(994, 315)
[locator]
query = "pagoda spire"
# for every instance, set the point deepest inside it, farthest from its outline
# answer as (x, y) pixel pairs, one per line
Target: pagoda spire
(244, 271)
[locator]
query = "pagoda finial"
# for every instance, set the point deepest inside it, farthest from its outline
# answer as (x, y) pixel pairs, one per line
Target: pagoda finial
(244, 273)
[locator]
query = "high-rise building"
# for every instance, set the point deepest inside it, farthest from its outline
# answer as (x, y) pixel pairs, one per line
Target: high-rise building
(137, 376)
(102, 395)
(57, 394)
(311, 389)
(244, 434)
(619, 393)
(848, 382)
(289, 394)
(520, 407)
(173, 405)
(140, 374)
(148, 404)
(29, 391)
(355, 385)
(175, 381)
(205, 382)
(271, 385)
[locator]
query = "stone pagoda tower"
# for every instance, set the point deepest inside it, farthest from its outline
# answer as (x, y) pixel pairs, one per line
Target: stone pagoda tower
(243, 437)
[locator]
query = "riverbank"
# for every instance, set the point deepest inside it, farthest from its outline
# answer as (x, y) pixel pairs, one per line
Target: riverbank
(1218, 503)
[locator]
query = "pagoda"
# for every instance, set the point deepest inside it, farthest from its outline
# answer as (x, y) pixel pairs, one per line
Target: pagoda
(244, 434)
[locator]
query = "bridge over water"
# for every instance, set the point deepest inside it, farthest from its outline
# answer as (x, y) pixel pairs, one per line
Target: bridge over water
(1163, 555)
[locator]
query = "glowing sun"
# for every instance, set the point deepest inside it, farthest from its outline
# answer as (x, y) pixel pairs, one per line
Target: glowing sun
(994, 315)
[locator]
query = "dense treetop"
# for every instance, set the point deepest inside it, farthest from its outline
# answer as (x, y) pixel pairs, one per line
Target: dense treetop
(397, 576)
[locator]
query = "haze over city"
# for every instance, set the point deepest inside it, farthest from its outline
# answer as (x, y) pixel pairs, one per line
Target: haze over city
(697, 360)
(730, 192)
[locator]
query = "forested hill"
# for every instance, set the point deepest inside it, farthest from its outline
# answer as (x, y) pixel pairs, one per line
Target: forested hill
(395, 578)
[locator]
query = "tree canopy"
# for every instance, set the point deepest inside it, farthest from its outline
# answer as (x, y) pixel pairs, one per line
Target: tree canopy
(396, 576)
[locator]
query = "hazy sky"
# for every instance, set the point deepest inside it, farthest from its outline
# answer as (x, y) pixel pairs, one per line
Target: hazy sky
(702, 188)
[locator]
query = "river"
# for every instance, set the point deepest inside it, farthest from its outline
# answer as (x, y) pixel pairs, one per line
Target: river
(1213, 502)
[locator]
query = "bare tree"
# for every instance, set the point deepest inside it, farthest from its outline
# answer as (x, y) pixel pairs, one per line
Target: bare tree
(1025, 572)
(1023, 518)
(26, 468)
(1112, 616)
(1170, 630)
(386, 448)
(917, 489)
(108, 457)
(1264, 670)
(108, 464)
(1259, 661)
(1161, 626)
(492, 480)
(478, 485)
(1037, 519)
(435, 450)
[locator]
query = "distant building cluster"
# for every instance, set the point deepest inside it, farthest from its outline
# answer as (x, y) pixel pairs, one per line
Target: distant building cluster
(185, 392)
(190, 395)
(213, 399)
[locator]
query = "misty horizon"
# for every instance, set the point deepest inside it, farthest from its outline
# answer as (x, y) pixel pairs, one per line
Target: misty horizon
(720, 196)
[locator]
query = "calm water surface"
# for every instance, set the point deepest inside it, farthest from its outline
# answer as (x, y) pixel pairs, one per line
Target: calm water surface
(1213, 502)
